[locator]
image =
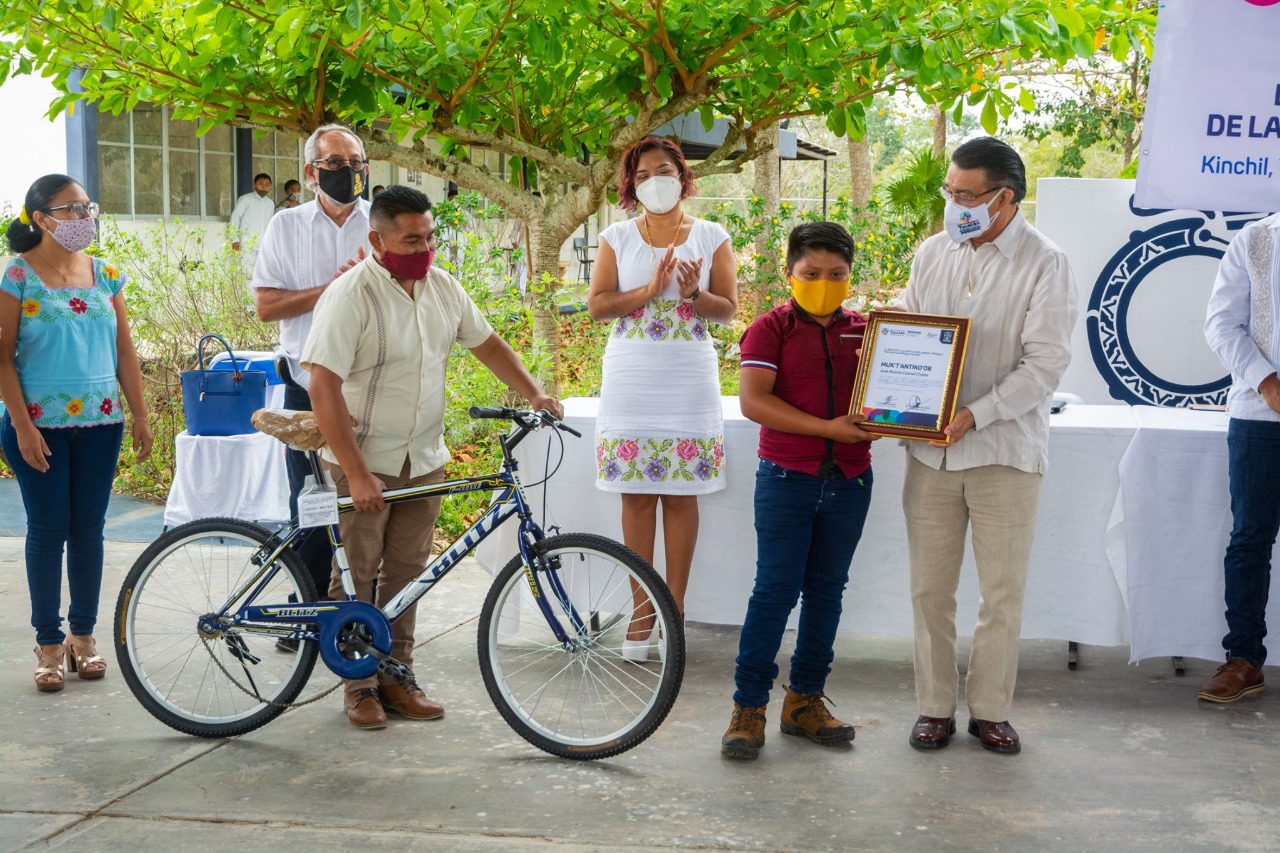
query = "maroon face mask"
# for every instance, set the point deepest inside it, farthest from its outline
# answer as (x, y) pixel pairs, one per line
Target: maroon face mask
(412, 267)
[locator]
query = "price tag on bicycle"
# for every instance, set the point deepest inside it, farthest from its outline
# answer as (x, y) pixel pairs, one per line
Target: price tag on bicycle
(317, 504)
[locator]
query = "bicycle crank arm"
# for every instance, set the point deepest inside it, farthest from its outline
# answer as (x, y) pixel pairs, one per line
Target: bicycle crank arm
(387, 665)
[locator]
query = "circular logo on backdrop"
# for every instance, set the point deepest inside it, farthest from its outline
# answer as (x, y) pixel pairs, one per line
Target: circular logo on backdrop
(1128, 379)
(1262, 2)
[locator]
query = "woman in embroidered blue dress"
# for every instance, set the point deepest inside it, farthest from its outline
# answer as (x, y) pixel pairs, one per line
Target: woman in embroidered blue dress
(661, 276)
(65, 355)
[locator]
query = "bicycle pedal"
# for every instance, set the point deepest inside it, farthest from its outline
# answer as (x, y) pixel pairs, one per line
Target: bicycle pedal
(393, 668)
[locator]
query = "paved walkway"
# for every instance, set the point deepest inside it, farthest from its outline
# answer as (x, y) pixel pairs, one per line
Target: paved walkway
(1115, 758)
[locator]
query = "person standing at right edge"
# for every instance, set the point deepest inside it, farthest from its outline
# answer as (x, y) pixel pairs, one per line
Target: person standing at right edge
(304, 249)
(813, 489)
(1018, 290)
(1243, 329)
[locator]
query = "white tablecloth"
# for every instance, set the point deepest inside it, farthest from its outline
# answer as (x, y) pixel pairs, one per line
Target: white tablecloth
(1172, 523)
(1072, 592)
(241, 476)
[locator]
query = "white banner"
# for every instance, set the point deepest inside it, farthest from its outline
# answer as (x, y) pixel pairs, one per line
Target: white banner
(1211, 136)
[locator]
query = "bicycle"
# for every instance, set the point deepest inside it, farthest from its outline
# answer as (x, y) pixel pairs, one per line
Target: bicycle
(201, 610)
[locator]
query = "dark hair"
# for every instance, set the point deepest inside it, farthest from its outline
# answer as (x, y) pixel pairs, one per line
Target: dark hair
(22, 237)
(293, 182)
(627, 172)
(826, 236)
(260, 176)
(395, 200)
(1003, 166)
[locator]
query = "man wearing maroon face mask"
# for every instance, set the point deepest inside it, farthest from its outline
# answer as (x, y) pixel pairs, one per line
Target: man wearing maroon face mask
(378, 350)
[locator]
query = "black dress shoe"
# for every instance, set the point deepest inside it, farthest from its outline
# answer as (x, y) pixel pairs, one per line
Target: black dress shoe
(932, 732)
(997, 737)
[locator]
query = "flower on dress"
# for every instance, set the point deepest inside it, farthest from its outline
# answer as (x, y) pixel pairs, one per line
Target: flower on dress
(717, 450)
(657, 330)
(75, 407)
(35, 411)
(30, 308)
(612, 471)
(656, 470)
(628, 450)
(698, 331)
(685, 311)
(110, 272)
(17, 274)
(78, 305)
(637, 314)
(686, 449)
(106, 406)
(702, 470)
(599, 454)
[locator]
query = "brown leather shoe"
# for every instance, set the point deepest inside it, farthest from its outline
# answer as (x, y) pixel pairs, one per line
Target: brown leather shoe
(1235, 679)
(997, 737)
(805, 714)
(745, 735)
(364, 711)
(408, 700)
(932, 732)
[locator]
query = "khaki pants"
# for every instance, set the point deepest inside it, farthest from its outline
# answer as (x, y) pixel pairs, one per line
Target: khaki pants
(390, 547)
(1000, 503)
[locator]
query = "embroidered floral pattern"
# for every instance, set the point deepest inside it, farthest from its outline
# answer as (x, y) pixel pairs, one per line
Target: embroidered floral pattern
(30, 308)
(63, 410)
(78, 305)
(662, 320)
(17, 274)
(654, 460)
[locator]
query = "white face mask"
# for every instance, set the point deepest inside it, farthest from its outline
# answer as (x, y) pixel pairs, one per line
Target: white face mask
(659, 194)
(965, 223)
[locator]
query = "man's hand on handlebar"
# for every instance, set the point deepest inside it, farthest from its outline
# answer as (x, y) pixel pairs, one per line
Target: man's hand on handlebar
(551, 404)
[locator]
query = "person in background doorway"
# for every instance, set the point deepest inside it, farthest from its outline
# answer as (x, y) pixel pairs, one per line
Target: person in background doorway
(66, 354)
(252, 213)
(292, 195)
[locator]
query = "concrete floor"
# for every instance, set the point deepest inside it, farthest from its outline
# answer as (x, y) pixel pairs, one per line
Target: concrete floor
(1114, 758)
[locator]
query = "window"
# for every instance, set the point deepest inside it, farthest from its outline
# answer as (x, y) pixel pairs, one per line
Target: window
(280, 156)
(150, 164)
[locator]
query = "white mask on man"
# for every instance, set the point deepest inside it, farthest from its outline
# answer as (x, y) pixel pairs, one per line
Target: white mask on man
(660, 193)
(965, 223)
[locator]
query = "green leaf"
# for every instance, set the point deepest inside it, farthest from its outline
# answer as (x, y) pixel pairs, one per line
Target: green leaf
(355, 13)
(1027, 101)
(989, 121)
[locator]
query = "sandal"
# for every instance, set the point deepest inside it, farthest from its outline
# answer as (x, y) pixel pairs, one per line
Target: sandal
(83, 657)
(49, 668)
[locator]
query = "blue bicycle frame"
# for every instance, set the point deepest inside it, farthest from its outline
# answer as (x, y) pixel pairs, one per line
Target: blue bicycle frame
(336, 622)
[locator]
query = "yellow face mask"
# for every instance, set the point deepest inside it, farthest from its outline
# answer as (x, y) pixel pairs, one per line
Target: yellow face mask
(819, 297)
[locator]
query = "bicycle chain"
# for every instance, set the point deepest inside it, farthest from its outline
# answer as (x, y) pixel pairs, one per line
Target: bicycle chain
(255, 695)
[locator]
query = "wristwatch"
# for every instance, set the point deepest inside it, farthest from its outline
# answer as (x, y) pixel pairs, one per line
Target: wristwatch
(693, 298)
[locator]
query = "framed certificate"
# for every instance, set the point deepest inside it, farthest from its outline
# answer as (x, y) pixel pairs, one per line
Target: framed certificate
(909, 374)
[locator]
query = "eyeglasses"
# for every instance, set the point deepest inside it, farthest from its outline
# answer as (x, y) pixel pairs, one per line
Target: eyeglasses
(964, 198)
(78, 209)
(333, 164)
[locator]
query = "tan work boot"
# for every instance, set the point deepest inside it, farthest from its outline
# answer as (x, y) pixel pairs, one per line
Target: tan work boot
(806, 714)
(408, 700)
(1234, 680)
(364, 711)
(746, 733)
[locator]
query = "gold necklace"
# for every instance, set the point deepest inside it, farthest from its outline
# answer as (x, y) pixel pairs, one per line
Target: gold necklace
(648, 238)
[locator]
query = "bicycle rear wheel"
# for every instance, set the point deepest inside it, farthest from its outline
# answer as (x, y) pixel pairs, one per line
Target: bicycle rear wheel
(583, 701)
(171, 668)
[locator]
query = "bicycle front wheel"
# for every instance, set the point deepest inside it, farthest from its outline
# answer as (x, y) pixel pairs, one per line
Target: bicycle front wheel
(180, 675)
(581, 698)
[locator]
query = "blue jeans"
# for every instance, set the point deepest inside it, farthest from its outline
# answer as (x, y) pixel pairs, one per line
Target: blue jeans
(1253, 452)
(806, 531)
(313, 547)
(66, 507)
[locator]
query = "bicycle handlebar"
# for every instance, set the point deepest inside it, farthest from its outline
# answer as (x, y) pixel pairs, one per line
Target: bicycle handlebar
(524, 417)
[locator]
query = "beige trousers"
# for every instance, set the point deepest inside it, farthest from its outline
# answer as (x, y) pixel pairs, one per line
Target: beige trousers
(1000, 504)
(390, 547)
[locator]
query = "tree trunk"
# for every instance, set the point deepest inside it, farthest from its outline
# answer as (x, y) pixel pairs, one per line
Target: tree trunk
(939, 131)
(860, 172)
(544, 258)
(766, 186)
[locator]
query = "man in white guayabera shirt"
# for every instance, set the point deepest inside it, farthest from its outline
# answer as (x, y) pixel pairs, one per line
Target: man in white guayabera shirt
(305, 248)
(1243, 328)
(1018, 289)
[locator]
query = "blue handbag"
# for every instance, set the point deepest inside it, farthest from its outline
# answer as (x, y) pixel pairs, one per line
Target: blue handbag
(221, 402)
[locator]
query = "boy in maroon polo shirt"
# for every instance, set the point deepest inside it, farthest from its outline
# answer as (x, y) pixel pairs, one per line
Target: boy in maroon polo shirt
(813, 488)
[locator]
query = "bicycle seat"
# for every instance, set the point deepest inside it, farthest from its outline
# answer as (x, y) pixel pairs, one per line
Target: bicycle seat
(296, 429)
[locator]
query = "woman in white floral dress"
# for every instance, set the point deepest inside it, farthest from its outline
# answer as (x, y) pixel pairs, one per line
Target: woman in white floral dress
(662, 277)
